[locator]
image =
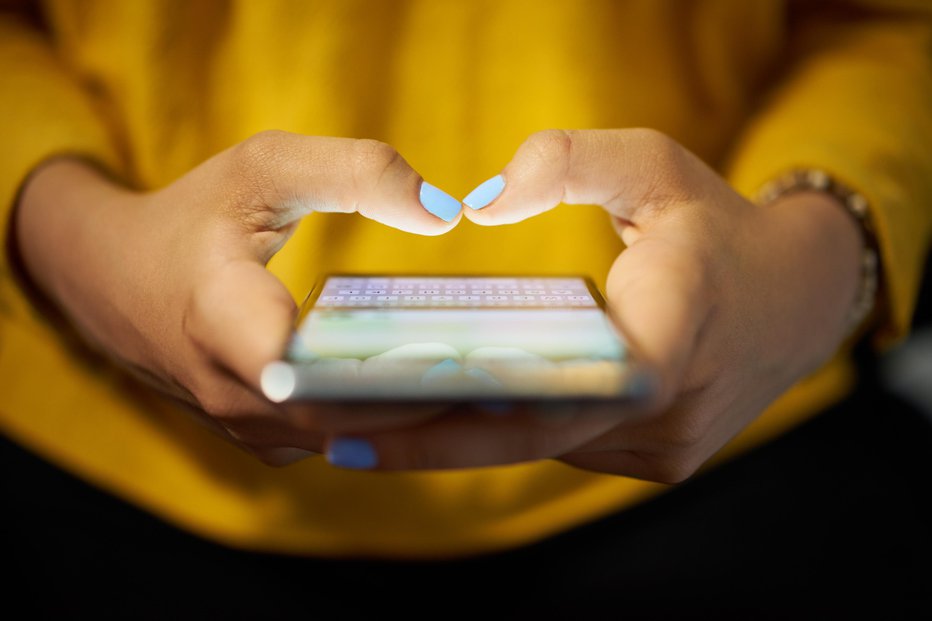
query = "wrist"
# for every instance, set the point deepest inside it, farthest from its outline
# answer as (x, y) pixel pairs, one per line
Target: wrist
(816, 187)
(53, 221)
(815, 250)
(71, 231)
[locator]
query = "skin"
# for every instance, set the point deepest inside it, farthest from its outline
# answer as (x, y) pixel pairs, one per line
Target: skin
(159, 280)
(728, 302)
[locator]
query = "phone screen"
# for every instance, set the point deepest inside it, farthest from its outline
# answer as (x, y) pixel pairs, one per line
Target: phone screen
(453, 337)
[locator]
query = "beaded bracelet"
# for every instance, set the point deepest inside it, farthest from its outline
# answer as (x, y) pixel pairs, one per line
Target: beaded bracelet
(857, 206)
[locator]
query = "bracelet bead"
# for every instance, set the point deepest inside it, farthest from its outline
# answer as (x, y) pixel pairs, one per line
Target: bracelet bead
(857, 206)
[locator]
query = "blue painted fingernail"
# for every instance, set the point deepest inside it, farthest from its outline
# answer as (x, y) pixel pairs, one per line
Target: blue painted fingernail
(439, 203)
(485, 193)
(354, 453)
(443, 369)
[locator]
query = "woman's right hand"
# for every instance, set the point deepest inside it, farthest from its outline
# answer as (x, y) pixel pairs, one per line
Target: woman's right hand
(172, 283)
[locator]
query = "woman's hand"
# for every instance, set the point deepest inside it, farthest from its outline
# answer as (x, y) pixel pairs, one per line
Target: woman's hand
(172, 283)
(729, 302)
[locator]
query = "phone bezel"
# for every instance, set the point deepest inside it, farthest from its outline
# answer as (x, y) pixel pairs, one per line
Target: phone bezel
(317, 288)
(632, 360)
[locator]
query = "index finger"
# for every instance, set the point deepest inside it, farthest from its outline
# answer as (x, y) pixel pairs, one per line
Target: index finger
(629, 172)
(658, 288)
(288, 176)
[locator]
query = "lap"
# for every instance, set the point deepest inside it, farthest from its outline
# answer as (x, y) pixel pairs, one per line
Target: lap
(833, 517)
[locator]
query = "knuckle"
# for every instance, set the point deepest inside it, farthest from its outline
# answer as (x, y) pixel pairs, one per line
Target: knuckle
(259, 148)
(550, 145)
(683, 435)
(677, 472)
(647, 135)
(665, 165)
(227, 411)
(194, 315)
(201, 307)
(672, 470)
(655, 142)
(681, 429)
(254, 162)
(217, 405)
(373, 159)
(221, 400)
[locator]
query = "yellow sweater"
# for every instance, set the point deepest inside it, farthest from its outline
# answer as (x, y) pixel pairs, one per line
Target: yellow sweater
(152, 88)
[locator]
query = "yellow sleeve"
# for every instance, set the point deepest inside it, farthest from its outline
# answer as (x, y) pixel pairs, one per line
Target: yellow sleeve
(43, 113)
(855, 99)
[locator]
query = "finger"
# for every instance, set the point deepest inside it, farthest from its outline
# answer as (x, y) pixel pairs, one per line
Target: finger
(469, 438)
(287, 176)
(232, 412)
(659, 294)
(630, 172)
(668, 462)
(241, 317)
(344, 418)
(227, 405)
(623, 463)
(283, 456)
(250, 421)
(673, 446)
(659, 288)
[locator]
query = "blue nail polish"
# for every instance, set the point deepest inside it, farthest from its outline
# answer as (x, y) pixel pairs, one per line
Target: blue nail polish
(439, 203)
(485, 193)
(354, 453)
(443, 369)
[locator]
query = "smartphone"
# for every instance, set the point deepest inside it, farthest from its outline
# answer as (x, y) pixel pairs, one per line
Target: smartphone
(407, 337)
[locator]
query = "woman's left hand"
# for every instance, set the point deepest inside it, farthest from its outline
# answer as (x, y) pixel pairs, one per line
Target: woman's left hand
(730, 303)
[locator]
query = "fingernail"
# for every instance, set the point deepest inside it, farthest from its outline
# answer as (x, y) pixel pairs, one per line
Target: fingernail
(443, 369)
(354, 453)
(485, 193)
(439, 203)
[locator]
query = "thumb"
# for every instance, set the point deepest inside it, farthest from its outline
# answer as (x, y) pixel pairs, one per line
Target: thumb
(242, 317)
(629, 172)
(279, 177)
(659, 293)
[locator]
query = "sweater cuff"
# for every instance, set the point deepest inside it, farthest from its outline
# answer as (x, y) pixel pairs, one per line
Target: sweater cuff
(44, 113)
(859, 107)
